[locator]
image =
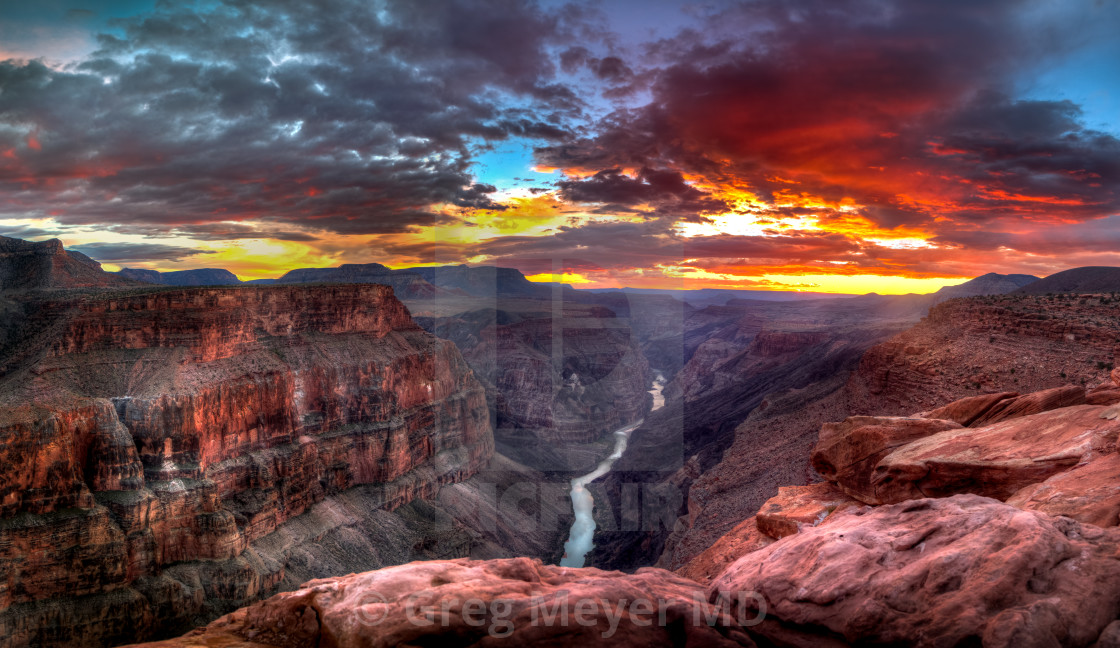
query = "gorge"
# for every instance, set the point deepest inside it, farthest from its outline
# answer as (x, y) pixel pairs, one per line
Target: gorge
(201, 453)
(181, 451)
(582, 534)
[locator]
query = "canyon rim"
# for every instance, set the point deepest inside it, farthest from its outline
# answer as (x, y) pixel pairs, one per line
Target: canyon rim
(774, 323)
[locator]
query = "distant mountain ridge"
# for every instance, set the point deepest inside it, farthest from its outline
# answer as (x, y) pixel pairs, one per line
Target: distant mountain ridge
(408, 283)
(702, 297)
(989, 284)
(485, 281)
(28, 265)
(1090, 279)
(198, 277)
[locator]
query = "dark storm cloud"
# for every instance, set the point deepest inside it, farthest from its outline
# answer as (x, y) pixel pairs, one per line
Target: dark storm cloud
(903, 106)
(23, 232)
(335, 115)
(234, 231)
(114, 252)
(664, 190)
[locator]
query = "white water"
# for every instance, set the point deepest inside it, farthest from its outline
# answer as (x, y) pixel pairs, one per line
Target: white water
(582, 535)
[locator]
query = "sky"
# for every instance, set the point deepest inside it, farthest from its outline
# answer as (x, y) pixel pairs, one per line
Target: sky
(846, 146)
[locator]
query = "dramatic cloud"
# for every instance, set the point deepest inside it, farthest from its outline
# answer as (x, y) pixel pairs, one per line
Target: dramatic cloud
(117, 252)
(762, 138)
(337, 114)
(665, 191)
(873, 118)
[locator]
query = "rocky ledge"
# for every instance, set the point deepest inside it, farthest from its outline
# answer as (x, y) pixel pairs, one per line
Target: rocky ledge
(514, 602)
(1019, 546)
(176, 450)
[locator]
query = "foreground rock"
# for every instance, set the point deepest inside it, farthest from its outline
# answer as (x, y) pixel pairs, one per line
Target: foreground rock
(1040, 401)
(994, 461)
(1088, 493)
(963, 570)
(514, 602)
(848, 453)
(800, 507)
(745, 538)
(967, 410)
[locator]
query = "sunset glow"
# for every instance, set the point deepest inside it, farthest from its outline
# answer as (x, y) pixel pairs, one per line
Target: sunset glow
(880, 146)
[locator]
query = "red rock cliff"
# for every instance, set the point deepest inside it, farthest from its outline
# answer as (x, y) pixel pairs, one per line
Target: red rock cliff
(986, 345)
(158, 443)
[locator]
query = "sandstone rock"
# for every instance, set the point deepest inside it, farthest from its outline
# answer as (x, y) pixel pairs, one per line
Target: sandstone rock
(1012, 343)
(964, 570)
(211, 639)
(994, 461)
(848, 452)
(164, 437)
(967, 410)
(1108, 396)
(1110, 638)
(740, 541)
(516, 602)
(1034, 403)
(1088, 493)
(798, 507)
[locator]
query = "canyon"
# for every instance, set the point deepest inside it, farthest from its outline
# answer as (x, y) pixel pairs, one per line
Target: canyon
(188, 452)
(178, 453)
(992, 519)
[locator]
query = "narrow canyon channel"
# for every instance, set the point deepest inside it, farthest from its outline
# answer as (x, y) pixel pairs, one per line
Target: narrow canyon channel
(582, 536)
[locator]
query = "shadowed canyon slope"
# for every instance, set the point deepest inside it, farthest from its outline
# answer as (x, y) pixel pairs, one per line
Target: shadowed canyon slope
(979, 347)
(818, 565)
(188, 451)
(183, 452)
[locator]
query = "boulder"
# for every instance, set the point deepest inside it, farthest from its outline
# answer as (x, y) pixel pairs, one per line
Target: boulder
(512, 602)
(1040, 401)
(967, 410)
(847, 453)
(797, 507)
(994, 461)
(963, 570)
(1108, 394)
(1088, 493)
(738, 542)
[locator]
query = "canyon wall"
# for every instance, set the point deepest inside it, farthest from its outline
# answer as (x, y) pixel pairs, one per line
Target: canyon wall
(926, 532)
(558, 378)
(677, 486)
(28, 265)
(173, 453)
(981, 347)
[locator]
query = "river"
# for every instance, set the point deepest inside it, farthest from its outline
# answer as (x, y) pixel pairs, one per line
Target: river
(582, 536)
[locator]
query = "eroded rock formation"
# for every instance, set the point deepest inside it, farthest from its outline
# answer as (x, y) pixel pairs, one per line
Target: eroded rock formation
(175, 449)
(934, 528)
(964, 570)
(516, 602)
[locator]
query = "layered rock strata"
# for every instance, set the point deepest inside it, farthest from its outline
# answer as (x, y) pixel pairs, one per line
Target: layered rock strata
(815, 567)
(177, 448)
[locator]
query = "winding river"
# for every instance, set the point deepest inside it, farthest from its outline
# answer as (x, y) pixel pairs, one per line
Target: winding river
(582, 536)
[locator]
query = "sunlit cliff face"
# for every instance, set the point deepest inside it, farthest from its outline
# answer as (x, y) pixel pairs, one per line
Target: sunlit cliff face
(839, 146)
